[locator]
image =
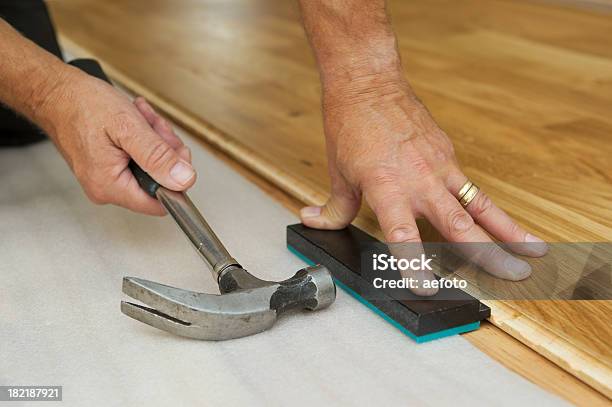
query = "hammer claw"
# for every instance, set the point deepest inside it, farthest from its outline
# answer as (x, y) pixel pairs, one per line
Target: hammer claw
(199, 315)
(166, 323)
(165, 300)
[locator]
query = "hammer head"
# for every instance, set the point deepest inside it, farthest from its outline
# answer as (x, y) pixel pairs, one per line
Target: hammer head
(246, 306)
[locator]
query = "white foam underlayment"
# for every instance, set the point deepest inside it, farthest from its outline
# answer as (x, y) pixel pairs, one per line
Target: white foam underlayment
(62, 261)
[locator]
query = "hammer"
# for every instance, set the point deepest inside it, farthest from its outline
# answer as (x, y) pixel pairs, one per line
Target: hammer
(247, 305)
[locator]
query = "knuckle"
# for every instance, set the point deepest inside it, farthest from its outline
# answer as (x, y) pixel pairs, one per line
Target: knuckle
(95, 187)
(404, 233)
(96, 195)
(420, 165)
(332, 212)
(491, 253)
(158, 156)
(515, 230)
(383, 177)
(459, 222)
(441, 156)
(123, 123)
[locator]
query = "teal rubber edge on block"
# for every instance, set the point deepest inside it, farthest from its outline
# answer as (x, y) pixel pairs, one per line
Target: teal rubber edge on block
(418, 339)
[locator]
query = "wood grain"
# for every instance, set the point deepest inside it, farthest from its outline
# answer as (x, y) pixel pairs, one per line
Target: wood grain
(524, 89)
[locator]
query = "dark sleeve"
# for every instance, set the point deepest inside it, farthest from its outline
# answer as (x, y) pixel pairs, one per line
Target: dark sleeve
(31, 18)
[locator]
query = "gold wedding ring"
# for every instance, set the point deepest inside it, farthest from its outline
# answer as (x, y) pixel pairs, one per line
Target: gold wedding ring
(467, 193)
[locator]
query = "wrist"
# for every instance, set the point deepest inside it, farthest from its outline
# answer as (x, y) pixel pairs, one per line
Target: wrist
(359, 59)
(367, 72)
(365, 84)
(51, 95)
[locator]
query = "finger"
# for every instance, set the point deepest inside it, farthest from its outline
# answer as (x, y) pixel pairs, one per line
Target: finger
(152, 153)
(499, 223)
(131, 196)
(456, 225)
(337, 213)
(163, 128)
(158, 123)
(395, 216)
(185, 153)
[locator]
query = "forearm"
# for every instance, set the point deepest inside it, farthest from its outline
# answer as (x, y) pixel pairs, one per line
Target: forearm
(354, 44)
(29, 75)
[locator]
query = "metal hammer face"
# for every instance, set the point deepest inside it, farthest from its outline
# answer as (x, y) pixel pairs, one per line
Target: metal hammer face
(247, 305)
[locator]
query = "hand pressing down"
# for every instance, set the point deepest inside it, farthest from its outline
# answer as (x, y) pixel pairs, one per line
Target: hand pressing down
(384, 145)
(97, 129)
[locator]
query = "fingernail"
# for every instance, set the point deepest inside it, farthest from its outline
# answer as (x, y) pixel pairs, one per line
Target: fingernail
(529, 238)
(518, 269)
(310, 212)
(182, 172)
(536, 245)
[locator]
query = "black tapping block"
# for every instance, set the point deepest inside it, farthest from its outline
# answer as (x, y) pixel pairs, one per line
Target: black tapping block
(421, 319)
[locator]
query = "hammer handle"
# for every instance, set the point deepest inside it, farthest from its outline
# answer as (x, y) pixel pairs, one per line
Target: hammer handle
(148, 184)
(190, 220)
(195, 227)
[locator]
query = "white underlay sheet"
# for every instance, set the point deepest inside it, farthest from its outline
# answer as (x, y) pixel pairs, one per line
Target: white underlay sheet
(62, 261)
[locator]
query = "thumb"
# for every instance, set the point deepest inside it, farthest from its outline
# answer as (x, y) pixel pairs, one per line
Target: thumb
(337, 213)
(156, 157)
